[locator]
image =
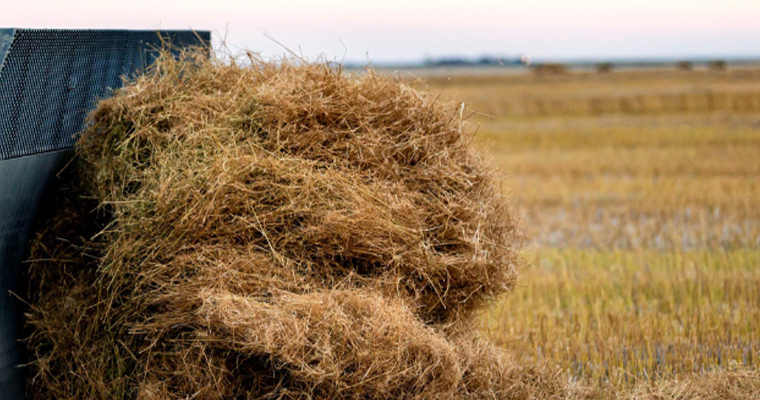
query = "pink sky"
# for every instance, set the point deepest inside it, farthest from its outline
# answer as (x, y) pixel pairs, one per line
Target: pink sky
(409, 30)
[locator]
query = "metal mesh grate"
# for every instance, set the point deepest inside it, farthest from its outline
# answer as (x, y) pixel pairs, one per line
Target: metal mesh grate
(51, 79)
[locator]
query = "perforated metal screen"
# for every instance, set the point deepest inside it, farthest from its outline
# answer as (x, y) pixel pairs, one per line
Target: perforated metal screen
(51, 79)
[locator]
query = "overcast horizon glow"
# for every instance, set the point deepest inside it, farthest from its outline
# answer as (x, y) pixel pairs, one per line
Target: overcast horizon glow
(395, 30)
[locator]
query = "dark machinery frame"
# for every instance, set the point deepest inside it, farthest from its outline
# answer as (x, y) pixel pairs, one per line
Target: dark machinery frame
(49, 81)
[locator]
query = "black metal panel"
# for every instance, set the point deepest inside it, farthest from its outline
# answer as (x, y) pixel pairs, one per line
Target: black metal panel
(23, 183)
(51, 79)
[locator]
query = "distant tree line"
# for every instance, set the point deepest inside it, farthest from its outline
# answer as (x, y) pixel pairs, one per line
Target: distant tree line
(553, 68)
(472, 62)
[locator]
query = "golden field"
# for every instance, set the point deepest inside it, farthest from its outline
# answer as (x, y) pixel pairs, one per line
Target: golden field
(639, 192)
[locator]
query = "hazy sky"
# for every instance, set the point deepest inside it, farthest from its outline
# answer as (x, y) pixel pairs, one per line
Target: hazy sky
(398, 30)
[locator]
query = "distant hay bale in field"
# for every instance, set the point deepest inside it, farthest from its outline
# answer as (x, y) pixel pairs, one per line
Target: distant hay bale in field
(604, 67)
(717, 65)
(550, 69)
(684, 65)
(274, 230)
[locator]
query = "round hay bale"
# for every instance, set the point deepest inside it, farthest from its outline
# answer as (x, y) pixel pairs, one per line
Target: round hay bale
(271, 230)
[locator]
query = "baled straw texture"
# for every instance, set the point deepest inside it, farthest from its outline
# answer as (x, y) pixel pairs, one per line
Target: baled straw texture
(272, 230)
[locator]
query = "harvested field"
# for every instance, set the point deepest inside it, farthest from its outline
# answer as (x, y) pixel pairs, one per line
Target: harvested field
(642, 223)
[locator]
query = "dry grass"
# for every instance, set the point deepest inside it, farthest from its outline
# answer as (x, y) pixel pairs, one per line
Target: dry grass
(621, 93)
(643, 229)
(617, 318)
(633, 183)
(274, 230)
(733, 384)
